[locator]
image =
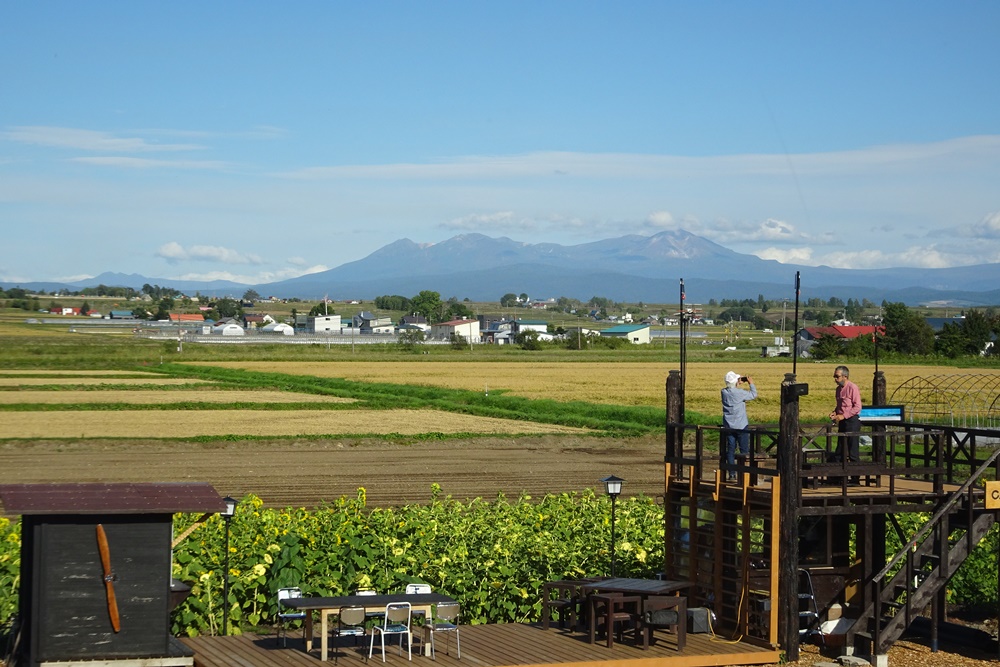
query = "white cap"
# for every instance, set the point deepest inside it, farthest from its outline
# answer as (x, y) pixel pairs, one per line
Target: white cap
(732, 377)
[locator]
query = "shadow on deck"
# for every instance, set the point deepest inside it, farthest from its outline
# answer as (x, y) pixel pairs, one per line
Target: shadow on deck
(487, 646)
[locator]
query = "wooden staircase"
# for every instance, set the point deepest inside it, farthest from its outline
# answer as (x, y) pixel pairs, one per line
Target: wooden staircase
(914, 577)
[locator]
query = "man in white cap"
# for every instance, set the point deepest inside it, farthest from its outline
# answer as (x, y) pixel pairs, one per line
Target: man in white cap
(735, 424)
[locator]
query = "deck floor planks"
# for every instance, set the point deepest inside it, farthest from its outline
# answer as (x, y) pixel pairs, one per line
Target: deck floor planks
(219, 653)
(499, 645)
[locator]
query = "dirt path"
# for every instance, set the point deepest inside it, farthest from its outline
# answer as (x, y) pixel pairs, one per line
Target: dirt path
(305, 473)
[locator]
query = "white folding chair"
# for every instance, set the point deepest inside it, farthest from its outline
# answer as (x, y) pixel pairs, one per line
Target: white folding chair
(370, 614)
(418, 589)
(288, 616)
(350, 623)
(445, 619)
(396, 622)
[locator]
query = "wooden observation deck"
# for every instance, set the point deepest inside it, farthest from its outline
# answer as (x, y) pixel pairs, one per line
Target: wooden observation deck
(796, 546)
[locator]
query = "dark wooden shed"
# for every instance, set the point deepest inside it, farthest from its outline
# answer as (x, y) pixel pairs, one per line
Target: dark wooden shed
(96, 569)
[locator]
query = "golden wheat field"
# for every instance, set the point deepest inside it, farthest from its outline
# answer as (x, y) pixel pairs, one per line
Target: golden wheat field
(193, 423)
(84, 380)
(70, 373)
(628, 383)
(154, 397)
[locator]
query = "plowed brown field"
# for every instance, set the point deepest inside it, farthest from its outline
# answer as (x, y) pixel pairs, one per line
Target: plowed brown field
(307, 472)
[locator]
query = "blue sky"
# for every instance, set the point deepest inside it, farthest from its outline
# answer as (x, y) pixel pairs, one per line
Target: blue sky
(257, 141)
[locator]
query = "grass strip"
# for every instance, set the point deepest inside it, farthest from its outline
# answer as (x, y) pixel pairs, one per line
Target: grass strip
(618, 419)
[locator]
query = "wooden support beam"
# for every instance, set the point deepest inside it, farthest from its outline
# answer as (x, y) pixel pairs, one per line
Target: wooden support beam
(190, 529)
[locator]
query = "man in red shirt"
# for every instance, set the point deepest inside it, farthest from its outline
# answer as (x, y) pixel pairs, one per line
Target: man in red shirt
(847, 415)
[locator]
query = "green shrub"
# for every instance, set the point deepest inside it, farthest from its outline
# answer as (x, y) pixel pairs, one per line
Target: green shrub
(491, 556)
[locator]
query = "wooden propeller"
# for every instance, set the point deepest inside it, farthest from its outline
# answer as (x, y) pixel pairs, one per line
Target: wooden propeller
(109, 577)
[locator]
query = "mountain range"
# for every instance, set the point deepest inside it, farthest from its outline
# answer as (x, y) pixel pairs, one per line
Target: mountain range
(629, 268)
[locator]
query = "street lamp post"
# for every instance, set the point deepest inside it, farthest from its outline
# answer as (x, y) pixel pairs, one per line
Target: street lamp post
(227, 515)
(613, 486)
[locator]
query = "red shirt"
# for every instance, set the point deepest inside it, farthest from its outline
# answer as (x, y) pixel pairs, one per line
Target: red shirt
(848, 400)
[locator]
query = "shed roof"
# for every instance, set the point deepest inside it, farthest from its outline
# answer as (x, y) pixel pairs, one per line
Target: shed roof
(624, 329)
(838, 331)
(112, 498)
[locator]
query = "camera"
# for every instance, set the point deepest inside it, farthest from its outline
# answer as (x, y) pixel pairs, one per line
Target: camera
(743, 378)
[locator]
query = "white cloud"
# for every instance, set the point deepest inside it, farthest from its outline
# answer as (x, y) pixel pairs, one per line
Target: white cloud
(662, 220)
(172, 251)
(73, 279)
(295, 273)
(145, 163)
(776, 230)
(256, 132)
(494, 223)
(175, 252)
(788, 255)
(261, 278)
(89, 140)
(770, 230)
(987, 228)
(928, 257)
(937, 157)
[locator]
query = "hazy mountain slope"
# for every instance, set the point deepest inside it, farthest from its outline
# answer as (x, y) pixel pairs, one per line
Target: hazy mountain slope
(626, 268)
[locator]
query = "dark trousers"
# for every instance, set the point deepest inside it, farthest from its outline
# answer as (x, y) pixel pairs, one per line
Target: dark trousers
(737, 438)
(850, 425)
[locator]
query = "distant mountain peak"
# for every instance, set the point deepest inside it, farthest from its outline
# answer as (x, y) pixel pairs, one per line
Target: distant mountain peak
(633, 267)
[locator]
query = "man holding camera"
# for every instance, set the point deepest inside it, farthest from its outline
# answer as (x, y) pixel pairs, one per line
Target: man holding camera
(735, 424)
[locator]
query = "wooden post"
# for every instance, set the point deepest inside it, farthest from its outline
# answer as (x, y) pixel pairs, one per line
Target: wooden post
(789, 459)
(878, 388)
(878, 521)
(674, 448)
(675, 436)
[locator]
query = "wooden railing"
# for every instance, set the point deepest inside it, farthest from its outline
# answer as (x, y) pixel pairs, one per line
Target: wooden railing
(939, 454)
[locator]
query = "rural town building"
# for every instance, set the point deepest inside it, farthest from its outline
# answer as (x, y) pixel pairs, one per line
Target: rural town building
(187, 318)
(467, 329)
(520, 326)
(278, 328)
(809, 335)
(496, 330)
(228, 328)
(369, 323)
(325, 324)
(256, 320)
(414, 321)
(634, 333)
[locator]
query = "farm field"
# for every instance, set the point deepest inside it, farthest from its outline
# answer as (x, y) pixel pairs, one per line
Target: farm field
(294, 457)
(79, 380)
(303, 456)
(155, 397)
(303, 472)
(618, 383)
(71, 372)
(267, 423)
